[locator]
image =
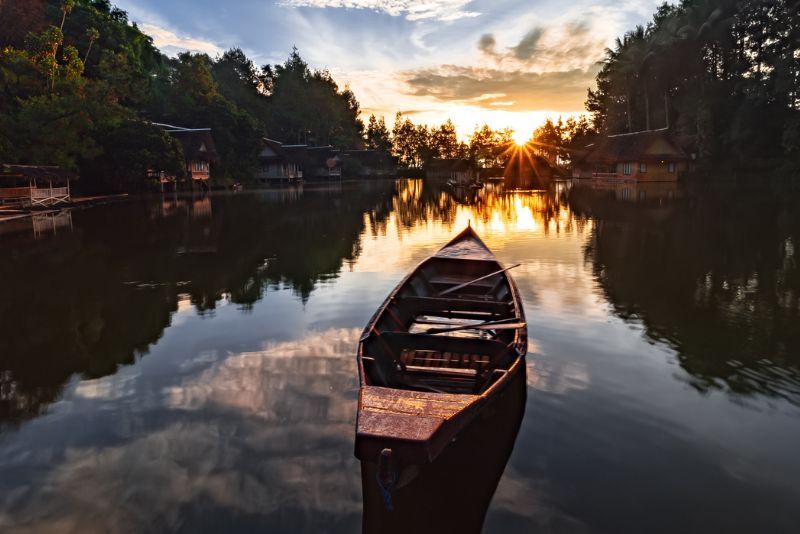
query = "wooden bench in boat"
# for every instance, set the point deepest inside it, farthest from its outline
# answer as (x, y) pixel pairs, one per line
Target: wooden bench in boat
(446, 356)
(453, 306)
(454, 280)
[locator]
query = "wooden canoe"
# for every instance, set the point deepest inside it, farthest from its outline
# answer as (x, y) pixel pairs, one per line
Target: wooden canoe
(428, 364)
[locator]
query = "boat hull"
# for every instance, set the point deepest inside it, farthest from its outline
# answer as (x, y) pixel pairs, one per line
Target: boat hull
(416, 422)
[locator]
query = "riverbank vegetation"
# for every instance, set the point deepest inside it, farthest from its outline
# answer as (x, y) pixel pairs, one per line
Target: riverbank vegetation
(724, 72)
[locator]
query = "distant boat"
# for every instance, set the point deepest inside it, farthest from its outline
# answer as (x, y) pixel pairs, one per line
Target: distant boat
(475, 184)
(450, 337)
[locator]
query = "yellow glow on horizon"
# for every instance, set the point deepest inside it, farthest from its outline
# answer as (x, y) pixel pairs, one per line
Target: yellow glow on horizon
(466, 118)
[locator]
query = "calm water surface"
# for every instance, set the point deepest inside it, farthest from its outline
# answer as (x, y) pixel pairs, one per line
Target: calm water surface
(188, 364)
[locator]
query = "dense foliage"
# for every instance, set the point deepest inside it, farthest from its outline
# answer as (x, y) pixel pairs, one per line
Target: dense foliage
(726, 72)
(81, 86)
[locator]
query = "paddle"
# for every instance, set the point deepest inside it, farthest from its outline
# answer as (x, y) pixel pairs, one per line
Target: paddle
(489, 325)
(484, 277)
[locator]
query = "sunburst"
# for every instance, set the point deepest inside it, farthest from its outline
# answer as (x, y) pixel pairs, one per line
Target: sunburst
(520, 138)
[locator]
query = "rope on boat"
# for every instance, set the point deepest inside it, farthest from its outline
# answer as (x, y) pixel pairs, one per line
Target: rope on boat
(386, 477)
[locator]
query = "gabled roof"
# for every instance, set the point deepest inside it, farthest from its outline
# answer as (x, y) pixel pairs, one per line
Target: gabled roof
(42, 172)
(272, 150)
(198, 145)
(635, 146)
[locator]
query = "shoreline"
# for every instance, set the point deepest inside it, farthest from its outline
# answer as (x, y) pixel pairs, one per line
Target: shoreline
(76, 202)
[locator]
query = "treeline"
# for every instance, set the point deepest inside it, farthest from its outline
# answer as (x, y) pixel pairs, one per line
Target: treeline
(80, 86)
(726, 72)
(414, 145)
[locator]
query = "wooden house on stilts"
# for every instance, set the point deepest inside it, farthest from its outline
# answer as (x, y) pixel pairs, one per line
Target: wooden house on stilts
(34, 186)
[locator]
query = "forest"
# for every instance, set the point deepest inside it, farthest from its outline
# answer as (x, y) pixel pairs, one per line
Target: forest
(726, 73)
(80, 86)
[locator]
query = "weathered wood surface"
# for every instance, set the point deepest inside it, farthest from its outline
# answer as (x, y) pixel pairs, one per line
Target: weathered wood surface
(15, 192)
(406, 402)
(446, 306)
(443, 371)
(407, 416)
(456, 279)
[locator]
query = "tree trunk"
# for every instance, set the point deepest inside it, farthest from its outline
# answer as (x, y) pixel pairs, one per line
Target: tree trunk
(666, 108)
(646, 106)
(86, 57)
(628, 102)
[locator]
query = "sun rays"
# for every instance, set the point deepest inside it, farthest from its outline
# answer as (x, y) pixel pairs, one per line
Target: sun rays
(520, 138)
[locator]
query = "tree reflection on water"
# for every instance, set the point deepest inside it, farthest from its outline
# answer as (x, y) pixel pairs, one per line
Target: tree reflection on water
(88, 301)
(714, 275)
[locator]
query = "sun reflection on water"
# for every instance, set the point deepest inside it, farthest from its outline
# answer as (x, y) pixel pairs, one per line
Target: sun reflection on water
(415, 229)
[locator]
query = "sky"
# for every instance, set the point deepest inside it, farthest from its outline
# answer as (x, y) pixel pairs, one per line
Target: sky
(506, 63)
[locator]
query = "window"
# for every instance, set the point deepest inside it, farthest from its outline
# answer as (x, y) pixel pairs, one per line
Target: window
(671, 166)
(627, 168)
(643, 167)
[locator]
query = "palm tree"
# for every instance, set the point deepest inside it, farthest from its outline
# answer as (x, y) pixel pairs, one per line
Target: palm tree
(66, 8)
(92, 34)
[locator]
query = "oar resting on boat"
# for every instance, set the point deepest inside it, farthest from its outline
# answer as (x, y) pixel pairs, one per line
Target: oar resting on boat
(480, 279)
(502, 324)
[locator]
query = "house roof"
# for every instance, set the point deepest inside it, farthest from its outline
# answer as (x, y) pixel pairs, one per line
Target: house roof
(43, 172)
(198, 145)
(272, 150)
(635, 146)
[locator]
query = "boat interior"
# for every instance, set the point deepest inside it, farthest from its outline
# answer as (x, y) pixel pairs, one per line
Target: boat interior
(438, 333)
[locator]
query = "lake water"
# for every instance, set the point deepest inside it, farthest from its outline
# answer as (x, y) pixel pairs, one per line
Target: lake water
(188, 364)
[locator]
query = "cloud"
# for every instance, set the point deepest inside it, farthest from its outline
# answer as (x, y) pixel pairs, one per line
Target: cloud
(487, 43)
(171, 43)
(545, 69)
(527, 47)
(445, 10)
(564, 47)
(488, 88)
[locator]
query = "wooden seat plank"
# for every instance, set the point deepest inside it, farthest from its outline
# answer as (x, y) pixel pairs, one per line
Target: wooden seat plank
(420, 305)
(454, 280)
(451, 371)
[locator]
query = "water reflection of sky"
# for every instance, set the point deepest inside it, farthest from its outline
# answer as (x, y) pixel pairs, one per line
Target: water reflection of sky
(242, 419)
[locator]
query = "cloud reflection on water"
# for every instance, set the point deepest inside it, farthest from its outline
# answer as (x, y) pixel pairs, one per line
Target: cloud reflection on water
(264, 439)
